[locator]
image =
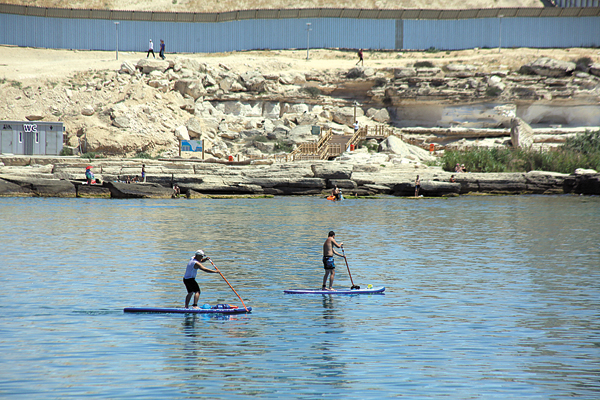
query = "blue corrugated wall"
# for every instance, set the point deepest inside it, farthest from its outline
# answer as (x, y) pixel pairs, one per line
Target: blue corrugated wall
(96, 34)
(515, 32)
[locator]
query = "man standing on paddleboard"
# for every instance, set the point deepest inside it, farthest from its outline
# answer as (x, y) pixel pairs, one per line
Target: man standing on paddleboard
(189, 279)
(328, 260)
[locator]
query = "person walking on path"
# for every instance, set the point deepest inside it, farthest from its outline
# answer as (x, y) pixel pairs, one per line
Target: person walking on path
(144, 173)
(162, 49)
(328, 260)
(417, 186)
(360, 58)
(150, 49)
(189, 279)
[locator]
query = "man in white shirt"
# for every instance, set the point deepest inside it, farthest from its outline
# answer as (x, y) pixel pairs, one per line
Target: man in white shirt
(189, 279)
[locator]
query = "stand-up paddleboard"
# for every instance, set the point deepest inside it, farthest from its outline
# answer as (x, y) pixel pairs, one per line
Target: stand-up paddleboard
(211, 310)
(378, 290)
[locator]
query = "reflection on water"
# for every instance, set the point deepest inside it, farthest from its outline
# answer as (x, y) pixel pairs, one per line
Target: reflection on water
(486, 297)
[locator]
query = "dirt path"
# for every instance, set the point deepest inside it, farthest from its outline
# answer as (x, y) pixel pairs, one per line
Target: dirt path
(31, 64)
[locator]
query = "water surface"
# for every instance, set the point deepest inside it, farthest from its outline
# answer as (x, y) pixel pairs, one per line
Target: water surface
(486, 297)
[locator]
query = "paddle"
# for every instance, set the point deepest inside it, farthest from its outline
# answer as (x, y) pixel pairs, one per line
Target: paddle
(345, 259)
(217, 269)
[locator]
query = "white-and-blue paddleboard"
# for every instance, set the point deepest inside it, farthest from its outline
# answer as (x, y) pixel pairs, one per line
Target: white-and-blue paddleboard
(377, 290)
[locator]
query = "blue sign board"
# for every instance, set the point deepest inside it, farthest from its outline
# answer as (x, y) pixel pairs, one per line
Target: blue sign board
(191, 145)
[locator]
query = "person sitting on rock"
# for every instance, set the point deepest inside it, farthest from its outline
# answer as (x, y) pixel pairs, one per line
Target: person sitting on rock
(89, 175)
(176, 190)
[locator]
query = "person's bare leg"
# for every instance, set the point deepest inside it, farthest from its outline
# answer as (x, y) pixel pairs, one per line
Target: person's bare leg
(196, 297)
(187, 300)
(331, 276)
(325, 279)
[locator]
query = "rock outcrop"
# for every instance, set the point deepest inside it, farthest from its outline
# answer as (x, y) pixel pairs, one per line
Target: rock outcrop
(373, 176)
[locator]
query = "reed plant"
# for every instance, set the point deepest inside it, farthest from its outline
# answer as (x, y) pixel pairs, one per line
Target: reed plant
(580, 151)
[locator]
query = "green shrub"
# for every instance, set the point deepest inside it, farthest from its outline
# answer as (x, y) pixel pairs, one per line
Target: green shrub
(432, 50)
(312, 91)
(66, 151)
(581, 151)
(283, 147)
(91, 155)
(142, 154)
(424, 64)
(260, 138)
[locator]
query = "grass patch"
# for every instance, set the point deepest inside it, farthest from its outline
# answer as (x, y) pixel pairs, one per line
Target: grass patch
(283, 147)
(142, 154)
(581, 151)
(260, 138)
(312, 91)
(424, 64)
(91, 155)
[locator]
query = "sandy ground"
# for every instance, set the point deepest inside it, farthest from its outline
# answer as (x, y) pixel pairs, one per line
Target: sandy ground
(28, 65)
(229, 5)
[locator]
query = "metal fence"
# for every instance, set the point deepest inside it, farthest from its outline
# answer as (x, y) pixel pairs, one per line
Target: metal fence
(287, 29)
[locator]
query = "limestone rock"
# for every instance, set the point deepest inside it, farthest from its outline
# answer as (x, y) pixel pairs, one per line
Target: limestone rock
(583, 171)
(549, 67)
(345, 115)
(253, 81)
(407, 72)
(121, 122)
(521, 134)
(496, 82)
(595, 69)
(181, 133)
(138, 191)
(332, 170)
(301, 134)
(127, 68)
(360, 72)
(395, 145)
(87, 111)
(190, 87)
(147, 65)
(194, 128)
(461, 70)
(380, 115)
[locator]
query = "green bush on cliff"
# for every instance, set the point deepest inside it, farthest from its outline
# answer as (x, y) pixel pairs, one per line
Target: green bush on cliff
(581, 151)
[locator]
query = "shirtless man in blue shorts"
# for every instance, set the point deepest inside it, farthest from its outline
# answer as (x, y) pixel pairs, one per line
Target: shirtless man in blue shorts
(328, 260)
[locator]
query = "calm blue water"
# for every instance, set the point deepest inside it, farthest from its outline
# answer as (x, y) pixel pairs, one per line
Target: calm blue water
(486, 298)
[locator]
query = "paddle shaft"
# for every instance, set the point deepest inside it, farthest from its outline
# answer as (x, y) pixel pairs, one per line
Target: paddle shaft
(217, 269)
(345, 259)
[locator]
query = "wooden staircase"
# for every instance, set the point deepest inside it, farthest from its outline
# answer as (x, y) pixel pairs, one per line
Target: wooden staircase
(331, 145)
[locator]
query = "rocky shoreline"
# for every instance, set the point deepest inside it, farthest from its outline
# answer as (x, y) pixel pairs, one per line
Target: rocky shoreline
(30, 176)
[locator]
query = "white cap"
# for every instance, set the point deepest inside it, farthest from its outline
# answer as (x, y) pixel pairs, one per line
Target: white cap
(199, 253)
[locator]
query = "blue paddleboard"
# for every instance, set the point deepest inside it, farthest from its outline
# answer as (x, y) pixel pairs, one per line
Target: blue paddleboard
(187, 310)
(377, 290)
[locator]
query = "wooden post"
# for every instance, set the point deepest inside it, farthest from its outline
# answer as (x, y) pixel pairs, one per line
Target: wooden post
(203, 149)
(179, 148)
